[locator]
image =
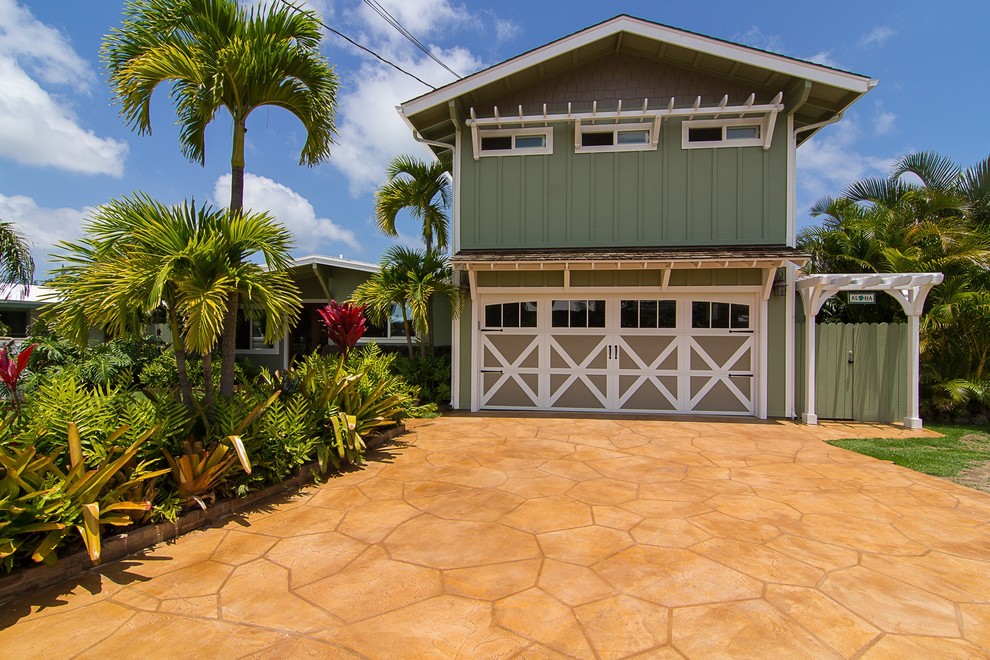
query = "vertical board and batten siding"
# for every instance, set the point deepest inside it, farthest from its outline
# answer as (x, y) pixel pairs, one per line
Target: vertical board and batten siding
(870, 388)
(671, 196)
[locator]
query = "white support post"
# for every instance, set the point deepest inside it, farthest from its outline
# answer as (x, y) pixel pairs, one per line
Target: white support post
(810, 373)
(913, 419)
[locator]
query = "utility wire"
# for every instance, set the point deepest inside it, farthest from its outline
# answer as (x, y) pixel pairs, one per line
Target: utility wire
(391, 20)
(351, 41)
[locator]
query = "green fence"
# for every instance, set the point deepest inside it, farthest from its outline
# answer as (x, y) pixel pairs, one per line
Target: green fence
(862, 371)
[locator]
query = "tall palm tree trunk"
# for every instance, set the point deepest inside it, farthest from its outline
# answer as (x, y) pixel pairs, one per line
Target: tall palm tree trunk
(408, 328)
(208, 380)
(180, 360)
(228, 342)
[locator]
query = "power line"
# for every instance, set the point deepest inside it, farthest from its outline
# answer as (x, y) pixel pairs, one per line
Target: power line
(391, 20)
(351, 41)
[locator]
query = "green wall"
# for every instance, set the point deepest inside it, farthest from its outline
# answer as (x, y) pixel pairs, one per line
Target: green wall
(671, 196)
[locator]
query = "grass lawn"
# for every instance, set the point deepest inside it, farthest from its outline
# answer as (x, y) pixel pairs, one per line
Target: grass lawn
(962, 454)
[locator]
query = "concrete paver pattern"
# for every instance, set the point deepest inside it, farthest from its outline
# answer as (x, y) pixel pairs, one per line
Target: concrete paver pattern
(487, 536)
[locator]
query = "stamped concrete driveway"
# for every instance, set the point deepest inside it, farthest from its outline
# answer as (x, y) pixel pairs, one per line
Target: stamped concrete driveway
(547, 537)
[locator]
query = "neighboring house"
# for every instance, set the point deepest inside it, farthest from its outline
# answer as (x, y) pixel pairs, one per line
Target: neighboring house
(320, 280)
(20, 307)
(624, 219)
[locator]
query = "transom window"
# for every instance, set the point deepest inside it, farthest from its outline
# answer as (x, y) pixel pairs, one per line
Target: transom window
(614, 137)
(719, 315)
(578, 314)
(722, 133)
(511, 315)
(516, 141)
(648, 314)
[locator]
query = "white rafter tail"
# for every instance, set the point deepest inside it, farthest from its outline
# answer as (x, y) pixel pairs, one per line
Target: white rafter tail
(568, 109)
(670, 106)
(748, 104)
(545, 122)
(475, 140)
(778, 99)
(594, 108)
(646, 105)
(695, 108)
(721, 106)
(618, 108)
(498, 119)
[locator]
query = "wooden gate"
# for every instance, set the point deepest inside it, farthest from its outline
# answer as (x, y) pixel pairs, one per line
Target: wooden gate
(862, 371)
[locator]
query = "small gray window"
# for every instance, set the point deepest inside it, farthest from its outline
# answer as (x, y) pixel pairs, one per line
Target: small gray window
(742, 132)
(531, 141)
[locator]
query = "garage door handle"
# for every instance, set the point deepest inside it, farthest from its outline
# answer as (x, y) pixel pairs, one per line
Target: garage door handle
(740, 375)
(491, 371)
(741, 332)
(491, 329)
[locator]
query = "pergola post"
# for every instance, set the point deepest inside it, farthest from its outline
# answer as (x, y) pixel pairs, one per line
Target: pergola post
(809, 416)
(913, 419)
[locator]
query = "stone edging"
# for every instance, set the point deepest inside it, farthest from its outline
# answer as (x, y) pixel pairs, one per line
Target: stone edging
(133, 540)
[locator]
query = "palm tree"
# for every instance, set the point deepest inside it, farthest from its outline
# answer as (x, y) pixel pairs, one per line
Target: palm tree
(16, 262)
(421, 188)
(410, 279)
(218, 54)
(139, 256)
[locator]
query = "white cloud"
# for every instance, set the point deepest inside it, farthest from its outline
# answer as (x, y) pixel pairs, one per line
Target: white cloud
(877, 36)
(422, 18)
(824, 58)
(371, 132)
(833, 159)
(43, 227)
(755, 37)
(505, 30)
(41, 49)
(36, 127)
(883, 120)
(36, 130)
(289, 208)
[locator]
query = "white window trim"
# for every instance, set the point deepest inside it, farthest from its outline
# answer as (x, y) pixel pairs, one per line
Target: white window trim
(723, 143)
(546, 132)
(266, 349)
(650, 145)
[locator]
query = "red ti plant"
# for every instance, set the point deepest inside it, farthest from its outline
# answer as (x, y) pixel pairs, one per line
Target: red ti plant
(11, 370)
(345, 324)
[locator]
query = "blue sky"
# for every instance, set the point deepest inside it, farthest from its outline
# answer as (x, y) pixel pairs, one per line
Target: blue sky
(64, 150)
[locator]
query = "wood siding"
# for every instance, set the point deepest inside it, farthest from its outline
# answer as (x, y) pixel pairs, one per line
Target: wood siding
(668, 197)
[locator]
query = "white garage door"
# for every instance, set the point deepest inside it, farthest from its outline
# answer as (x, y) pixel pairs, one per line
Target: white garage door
(679, 353)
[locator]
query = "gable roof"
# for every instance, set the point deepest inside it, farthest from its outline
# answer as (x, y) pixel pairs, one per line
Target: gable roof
(813, 92)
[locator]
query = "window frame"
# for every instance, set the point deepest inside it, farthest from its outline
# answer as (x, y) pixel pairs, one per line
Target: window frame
(651, 144)
(546, 132)
(725, 142)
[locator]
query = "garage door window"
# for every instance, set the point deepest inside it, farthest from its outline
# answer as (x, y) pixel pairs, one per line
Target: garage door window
(511, 315)
(648, 314)
(719, 315)
(578, 314)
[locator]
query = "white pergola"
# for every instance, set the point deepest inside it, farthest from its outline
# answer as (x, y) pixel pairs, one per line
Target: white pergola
(909, 289)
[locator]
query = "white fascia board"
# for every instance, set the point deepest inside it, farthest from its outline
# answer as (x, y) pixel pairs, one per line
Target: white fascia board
(708, 45)
(334, 262)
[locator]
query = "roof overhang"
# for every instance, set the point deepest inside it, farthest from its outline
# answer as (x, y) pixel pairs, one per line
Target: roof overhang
(628, 259)
(333, 262)
(812, 92)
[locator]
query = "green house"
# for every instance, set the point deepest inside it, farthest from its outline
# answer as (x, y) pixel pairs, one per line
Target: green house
(624, 221)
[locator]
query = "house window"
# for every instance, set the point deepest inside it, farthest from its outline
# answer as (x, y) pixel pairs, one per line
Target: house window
(722, 133)
(516, 141)
(614, 137)
(719, 315)
(511, 315)
(251, 336)
(578, 314)
(394, 329)
(648, 314)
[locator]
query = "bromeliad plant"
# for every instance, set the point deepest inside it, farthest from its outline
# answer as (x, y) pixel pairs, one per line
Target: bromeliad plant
(344, 324)
(40, 503)
(11, 370)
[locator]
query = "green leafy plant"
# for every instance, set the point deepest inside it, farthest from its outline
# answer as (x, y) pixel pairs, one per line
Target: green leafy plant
(41, 504)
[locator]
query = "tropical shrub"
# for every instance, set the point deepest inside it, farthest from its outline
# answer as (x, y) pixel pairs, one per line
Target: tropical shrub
(344, 324)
